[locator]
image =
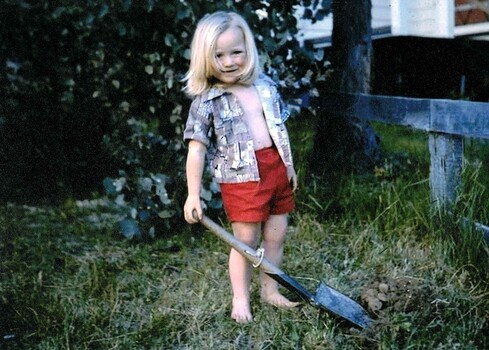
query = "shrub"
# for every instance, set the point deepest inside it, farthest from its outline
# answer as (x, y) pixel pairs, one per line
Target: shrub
(97, 86)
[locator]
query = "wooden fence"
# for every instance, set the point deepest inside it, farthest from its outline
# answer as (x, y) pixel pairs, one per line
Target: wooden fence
(446, 121)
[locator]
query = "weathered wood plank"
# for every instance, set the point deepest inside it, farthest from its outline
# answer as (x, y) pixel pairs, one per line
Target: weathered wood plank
(404, 111)
(462, 118)
(456, 117)
(446, 153)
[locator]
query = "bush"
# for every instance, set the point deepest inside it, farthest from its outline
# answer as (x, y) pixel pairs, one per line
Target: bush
(94, 88)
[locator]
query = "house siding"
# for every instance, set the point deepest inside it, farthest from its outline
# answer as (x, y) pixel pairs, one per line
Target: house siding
(425, 18)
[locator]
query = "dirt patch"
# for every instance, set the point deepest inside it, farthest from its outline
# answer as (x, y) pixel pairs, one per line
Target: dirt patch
(401, 294)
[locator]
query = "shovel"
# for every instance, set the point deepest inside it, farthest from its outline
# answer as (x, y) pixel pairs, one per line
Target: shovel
(326, 298)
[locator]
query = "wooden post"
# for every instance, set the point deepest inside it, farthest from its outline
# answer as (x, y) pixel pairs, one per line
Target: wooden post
(446, 152)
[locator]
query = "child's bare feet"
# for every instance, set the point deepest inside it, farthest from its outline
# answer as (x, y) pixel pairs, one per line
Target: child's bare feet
(241, 312)
(276, 299)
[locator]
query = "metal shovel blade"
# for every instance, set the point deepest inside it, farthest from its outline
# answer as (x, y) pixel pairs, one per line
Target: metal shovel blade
(340, 305)
(327, 299)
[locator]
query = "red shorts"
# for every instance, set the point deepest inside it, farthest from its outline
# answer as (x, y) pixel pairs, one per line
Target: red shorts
(255, 201)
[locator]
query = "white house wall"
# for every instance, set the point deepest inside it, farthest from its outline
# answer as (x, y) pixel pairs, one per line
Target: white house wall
(429, 18)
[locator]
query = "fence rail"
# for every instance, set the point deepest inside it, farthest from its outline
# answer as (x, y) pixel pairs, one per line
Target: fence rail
(454, 117)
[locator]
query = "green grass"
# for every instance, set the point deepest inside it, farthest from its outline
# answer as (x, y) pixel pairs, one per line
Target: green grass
(68, 281)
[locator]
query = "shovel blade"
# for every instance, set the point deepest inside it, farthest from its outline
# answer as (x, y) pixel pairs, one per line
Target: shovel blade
(331, 300)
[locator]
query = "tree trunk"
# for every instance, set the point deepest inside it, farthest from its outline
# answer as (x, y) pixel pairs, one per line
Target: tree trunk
(342, 142)
(352, 45)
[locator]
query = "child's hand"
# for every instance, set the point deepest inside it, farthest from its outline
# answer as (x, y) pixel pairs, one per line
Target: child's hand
(192, 206)
(292, 176)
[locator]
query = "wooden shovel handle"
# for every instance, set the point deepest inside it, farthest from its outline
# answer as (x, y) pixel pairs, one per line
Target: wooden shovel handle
(252, 255)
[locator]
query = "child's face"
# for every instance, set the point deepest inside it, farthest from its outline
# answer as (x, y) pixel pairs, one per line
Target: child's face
(231, 55)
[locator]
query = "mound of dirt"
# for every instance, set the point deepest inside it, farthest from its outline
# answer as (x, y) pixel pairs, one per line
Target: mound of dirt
(401, 294)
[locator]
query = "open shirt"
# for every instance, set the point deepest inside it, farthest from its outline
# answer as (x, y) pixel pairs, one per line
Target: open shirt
(216, 119)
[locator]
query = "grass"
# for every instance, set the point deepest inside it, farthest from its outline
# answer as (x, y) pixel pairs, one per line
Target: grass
(68, 281)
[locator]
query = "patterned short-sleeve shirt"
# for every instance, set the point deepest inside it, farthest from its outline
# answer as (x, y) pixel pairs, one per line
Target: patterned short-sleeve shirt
(216, 119)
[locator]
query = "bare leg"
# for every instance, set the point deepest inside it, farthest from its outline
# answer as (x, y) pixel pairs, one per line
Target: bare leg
(240, 271)
(274, 233)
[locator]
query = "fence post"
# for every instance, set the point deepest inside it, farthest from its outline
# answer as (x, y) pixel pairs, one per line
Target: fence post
(446, 153)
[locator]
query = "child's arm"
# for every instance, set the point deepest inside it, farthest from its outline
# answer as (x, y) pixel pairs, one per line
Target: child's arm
(194, 169)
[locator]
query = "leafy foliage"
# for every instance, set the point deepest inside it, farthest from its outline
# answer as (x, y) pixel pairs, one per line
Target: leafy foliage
(95, 86)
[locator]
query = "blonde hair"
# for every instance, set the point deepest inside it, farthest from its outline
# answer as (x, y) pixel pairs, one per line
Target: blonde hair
(203, 62)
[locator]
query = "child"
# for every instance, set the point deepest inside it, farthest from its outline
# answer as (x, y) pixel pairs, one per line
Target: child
(237, 118)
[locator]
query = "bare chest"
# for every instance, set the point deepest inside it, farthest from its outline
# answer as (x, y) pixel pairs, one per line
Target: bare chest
(249, 100)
